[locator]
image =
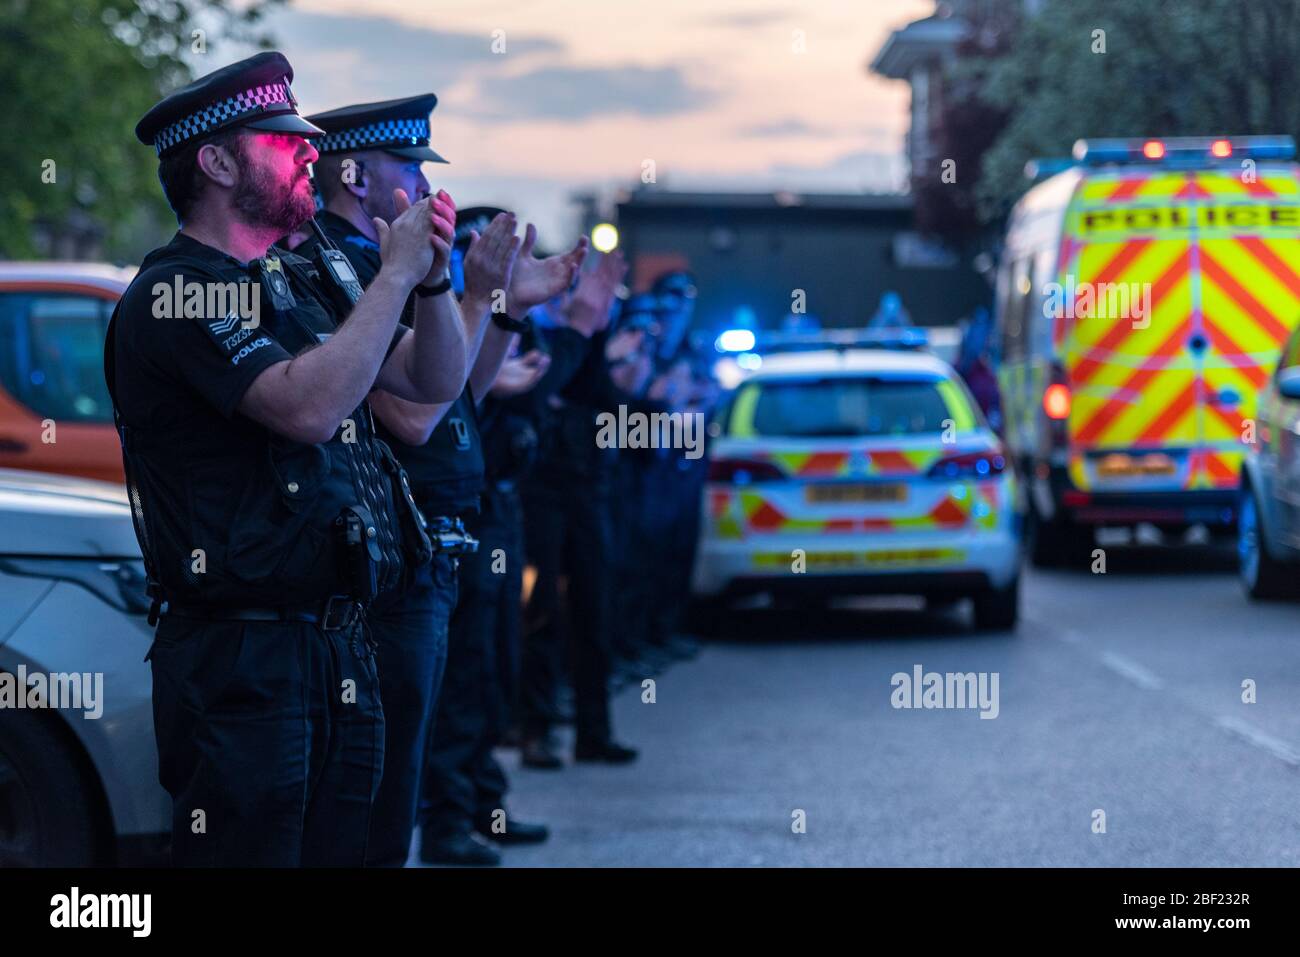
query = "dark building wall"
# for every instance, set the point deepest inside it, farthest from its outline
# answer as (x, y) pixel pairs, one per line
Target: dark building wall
(755, 257)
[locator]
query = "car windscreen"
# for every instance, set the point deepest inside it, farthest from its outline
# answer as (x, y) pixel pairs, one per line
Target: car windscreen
(52, 354)
(850, 406)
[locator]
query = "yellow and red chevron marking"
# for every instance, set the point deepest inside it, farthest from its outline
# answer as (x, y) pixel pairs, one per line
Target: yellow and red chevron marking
(1215, 468)
(1097, 347)
(1250, 300)
(1207, 468)
(880, 462)
(1104, 189)
(1131, 378)
(760, 515)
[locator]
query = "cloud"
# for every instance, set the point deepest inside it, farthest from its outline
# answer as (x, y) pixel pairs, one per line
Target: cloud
(755, 18)
(790, 126)
(577, 93)
(349, 59)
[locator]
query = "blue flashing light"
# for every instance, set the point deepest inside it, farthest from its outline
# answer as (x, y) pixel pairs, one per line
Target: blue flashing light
(735, 340)
(749, 360)
(1183, 150)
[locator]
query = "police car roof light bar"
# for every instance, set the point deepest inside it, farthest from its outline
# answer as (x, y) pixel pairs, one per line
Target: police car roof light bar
(1183, 150)
(908, 338)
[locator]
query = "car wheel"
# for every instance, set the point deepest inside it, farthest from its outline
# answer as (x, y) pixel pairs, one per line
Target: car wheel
(1262, 576)
(47, 816)
(998, 609)
(705, 618)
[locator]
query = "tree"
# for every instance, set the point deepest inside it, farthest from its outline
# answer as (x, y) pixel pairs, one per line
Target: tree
(967, 124)
(1095, 68)
(78, 76)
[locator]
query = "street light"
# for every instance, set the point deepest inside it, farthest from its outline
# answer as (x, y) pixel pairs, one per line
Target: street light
(604, 237)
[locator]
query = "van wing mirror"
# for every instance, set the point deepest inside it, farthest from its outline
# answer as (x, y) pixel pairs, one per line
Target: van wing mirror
(1288, 383)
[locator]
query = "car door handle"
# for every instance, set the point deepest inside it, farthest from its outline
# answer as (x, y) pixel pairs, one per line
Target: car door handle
(11, 445)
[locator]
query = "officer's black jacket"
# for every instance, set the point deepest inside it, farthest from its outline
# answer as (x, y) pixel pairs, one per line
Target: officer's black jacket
(447, 471)
(227, 512)
(569, 451)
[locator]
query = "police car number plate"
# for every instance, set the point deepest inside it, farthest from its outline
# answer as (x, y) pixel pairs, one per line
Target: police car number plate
(829, 493)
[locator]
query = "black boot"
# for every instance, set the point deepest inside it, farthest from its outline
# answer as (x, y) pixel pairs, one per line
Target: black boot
(537, 753)
(606, 752)
(514, 832)
(461, 848)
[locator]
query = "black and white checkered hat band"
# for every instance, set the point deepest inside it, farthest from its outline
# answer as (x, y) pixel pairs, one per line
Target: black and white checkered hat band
(410, 132)
(271, 98)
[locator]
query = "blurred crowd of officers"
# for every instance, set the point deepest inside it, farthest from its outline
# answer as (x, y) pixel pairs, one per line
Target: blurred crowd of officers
(606, 535)
(381, 535)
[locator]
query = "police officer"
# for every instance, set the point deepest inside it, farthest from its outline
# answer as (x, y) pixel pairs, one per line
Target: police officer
(370, 153)
(268, 513)
(568, 536)
(464, 787)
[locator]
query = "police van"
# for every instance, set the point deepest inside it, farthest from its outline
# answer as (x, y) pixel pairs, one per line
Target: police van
(1142, 298)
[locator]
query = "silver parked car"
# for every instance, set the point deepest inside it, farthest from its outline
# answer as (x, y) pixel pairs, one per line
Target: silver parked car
(1268, 522)
(78, 766)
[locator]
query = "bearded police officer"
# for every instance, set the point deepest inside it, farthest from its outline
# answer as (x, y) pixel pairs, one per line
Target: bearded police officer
(268, 512)
(370, 150)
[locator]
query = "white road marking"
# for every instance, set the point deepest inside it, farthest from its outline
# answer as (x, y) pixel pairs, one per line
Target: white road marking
(1149, 680)
(1260, 739)
(1131, 670)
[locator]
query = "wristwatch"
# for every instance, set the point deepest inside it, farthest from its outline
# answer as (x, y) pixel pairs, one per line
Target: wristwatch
(437, 289)
(504, 321)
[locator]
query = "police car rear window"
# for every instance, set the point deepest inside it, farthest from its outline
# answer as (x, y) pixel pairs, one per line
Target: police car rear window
(849, 406)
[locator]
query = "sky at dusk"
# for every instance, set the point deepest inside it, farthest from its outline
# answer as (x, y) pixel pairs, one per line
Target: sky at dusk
(586, 90)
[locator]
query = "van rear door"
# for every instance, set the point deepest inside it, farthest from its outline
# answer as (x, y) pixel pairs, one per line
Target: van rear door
(1166, 341)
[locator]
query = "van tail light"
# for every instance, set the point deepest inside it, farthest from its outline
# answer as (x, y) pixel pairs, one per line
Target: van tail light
(743, 471)
(969, 465)
(1057, 402)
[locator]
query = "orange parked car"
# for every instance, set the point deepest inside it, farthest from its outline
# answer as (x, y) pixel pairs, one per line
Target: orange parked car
(55, 413)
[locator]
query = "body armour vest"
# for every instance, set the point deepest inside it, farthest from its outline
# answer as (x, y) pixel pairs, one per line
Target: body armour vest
(446, 472)
(247, 518)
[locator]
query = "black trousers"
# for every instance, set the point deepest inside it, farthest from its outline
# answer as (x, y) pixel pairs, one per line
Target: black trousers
(568, 539)
(270, 741)
(410, 633)
(463, 783)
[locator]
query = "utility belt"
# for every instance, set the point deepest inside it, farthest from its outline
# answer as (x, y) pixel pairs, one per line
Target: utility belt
(338, 613)
(448, 535)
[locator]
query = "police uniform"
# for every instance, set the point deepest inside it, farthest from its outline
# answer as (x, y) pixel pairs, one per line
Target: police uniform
(569, 538)
(446, 473)
(262, 552)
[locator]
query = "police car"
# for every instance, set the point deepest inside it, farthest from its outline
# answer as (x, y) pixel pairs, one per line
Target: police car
(852, 470)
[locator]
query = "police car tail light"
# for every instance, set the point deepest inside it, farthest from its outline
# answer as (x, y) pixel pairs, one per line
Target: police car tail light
(743, 471)
(967, 465)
